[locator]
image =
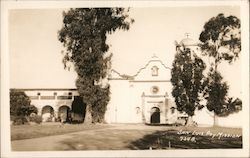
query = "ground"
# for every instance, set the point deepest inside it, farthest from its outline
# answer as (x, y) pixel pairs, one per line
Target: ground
(122, 137)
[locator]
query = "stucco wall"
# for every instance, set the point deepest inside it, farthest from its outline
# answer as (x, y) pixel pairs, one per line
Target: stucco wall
(132, 96)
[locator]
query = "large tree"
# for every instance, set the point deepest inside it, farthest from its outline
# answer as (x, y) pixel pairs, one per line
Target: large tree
(187, 80)
(84, 34)
(220, 41)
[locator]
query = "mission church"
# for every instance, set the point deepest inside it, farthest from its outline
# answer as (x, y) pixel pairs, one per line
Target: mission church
(146, 96)
(141, 98)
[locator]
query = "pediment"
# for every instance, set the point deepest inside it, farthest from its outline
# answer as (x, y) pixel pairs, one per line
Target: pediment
(153, 70)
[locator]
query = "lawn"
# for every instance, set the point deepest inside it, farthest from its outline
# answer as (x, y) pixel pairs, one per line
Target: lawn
(191, 138)
(158, 138)
(20, 132)
(127, 137)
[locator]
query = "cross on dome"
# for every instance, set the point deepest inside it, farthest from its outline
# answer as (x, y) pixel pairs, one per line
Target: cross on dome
(188, 41)
(187, 34)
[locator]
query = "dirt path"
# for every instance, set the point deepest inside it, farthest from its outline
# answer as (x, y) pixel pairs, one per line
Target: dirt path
(114, 138)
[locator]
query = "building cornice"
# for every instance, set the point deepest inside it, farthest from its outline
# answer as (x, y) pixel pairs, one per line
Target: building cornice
(43, 89)
(149, 80)
(154, 96)
(118, 79)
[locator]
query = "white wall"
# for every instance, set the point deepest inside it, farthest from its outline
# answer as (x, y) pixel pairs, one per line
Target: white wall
(206, 118)
(203, 117)
(126, 94)
(118, 108)
(233, 120)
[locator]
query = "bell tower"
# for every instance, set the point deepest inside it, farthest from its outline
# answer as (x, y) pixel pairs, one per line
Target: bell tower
(189, 43)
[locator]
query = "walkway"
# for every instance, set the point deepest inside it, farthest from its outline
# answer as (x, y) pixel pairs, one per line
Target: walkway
(116, 137)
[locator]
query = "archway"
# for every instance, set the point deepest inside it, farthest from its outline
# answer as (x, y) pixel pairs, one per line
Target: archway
(64, 113)
(47, 113)
(155, 115)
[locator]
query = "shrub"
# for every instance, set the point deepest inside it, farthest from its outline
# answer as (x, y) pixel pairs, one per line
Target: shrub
(20, 107)
(36, 118)
(20, 120)
(19, 103)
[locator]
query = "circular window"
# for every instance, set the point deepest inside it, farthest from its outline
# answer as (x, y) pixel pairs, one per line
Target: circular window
(154, 89)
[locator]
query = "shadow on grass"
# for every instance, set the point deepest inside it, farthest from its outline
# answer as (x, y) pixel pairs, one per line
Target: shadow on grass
(171, 140)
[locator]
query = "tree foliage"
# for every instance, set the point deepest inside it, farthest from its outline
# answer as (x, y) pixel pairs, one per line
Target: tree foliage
(216, 92)
(20, 104)
(220, 41)
(217, 95)
(232, 106)
(221, 38)
(84, 34)
(187, 80)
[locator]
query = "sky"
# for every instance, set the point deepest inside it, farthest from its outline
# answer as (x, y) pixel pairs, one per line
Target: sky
(35, 52)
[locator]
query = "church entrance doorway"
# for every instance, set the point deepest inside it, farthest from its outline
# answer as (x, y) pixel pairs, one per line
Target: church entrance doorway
(155, 115)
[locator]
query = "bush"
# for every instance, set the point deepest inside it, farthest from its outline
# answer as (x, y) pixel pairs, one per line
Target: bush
(12, 118)
(36, 118)
(20, 107)
(20, 120)
(19, 103)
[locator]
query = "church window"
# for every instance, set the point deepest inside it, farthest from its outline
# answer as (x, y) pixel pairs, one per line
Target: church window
(137, 109)
(155, 71)
(70, 95)
(172, 110)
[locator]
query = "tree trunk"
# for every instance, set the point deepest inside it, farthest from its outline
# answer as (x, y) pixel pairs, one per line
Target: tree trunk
(88, 116)
(215, 67)
(189, 121)
(216, 120)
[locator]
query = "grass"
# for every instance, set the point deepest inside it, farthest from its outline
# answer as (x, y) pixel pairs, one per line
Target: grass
(20, 132)
(191, 138)
(154, 138)
(132, 137)
(108, 139)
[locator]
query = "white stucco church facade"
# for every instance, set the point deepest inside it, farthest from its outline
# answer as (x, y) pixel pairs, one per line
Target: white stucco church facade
(144, 97)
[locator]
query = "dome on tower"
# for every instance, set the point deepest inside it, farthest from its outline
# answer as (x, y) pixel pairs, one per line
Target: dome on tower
(188, 42)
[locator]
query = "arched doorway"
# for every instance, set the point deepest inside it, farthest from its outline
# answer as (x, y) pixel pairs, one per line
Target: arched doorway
(47, 113)
(155, 115)
(63, 113)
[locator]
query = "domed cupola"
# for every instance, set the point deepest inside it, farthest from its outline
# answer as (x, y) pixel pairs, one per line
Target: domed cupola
(188, 41)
